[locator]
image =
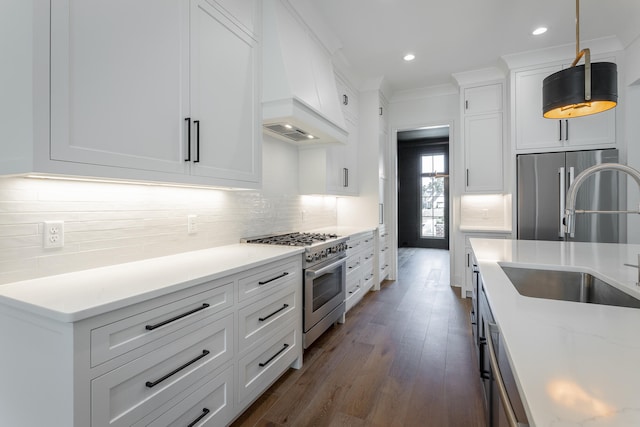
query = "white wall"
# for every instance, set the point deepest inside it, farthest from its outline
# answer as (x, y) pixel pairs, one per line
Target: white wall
(113, 223)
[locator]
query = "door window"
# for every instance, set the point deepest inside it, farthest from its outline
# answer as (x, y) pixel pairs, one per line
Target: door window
(433, 197)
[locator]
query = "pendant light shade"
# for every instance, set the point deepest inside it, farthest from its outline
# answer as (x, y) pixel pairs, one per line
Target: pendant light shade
(563, 93)
(580, 90)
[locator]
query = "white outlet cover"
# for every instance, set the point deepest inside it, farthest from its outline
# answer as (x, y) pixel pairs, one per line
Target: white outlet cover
(53, 234)
(192, 227)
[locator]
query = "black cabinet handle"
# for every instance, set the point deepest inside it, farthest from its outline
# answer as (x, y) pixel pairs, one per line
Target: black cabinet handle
(345, 177)
(173, 319)
(197, 123)
(188, 120)
(275, 278)
(467, 177)
(566, 130)
(151, 384)
(345, 99)
(485, 375)
(380, 111)
(559, 130)
(262, 319)
(204, 413)
(263, 364)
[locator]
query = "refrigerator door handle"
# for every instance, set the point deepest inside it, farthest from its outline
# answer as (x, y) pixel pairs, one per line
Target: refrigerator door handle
(572, 175)
(562, 189)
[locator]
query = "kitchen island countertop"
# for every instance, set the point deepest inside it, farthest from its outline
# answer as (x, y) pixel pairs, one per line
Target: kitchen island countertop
(78, 295)
(575, 364)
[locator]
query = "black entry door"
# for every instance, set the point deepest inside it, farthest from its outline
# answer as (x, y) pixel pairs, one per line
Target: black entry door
(423, 195)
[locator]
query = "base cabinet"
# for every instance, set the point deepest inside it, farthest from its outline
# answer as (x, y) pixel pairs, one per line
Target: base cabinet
(360, 271)
(198, 356)
(384, 254)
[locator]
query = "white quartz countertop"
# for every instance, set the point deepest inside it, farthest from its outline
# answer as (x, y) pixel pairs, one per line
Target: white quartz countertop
(75, 296)
(575, 364)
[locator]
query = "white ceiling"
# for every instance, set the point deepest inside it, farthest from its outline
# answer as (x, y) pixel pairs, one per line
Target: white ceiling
(452, 36)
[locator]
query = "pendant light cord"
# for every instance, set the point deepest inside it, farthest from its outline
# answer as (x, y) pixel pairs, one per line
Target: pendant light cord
(577, 29)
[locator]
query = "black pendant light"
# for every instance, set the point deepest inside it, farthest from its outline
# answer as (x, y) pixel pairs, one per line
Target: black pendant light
(580, 90)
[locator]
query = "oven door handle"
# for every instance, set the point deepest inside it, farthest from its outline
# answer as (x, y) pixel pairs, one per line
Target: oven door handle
(316, 273)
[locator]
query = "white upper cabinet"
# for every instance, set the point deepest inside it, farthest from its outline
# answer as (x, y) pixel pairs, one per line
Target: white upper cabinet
(483, 138)
(535, 133)
(224, 98)
(154, 90)
(118, 93)
(333, 169)
(482, 99)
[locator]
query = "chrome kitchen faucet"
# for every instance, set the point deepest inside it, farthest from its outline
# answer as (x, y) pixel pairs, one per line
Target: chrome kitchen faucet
(571, 211)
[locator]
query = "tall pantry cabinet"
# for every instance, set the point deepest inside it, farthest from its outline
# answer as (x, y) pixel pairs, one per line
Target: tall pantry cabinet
(370, 208)
(152, 90)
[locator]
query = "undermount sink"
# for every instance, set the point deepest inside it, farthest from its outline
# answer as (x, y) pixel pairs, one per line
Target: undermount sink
(567, 286)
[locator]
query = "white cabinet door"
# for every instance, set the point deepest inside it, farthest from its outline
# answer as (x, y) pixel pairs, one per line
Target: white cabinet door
(224, 97)
(483, 152)
(118, 90)
(534, 132)
(483, 99)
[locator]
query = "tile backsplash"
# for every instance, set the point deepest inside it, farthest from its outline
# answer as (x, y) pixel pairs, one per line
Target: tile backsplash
(108, 223)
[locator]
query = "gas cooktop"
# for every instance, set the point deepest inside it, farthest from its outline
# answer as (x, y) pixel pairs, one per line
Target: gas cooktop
(293, 239)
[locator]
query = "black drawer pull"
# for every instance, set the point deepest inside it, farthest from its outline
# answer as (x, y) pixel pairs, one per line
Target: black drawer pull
(205, 411)
(175, 371)
(262, 365)
(275, 278)
(262, 319)
(485, 375)
(173, 319)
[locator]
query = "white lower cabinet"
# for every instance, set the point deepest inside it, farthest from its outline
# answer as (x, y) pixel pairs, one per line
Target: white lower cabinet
(209, 405)
(198, 356)
(360, 272)
(384, 254)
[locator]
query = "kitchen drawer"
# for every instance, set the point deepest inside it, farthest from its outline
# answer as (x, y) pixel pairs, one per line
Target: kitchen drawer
(266, 316)
(260, 280)
(367, 268)
(352, 283)
(354, 295)
(353, 262)
(353, 245)
(210, 405)
(126, 394)
(368, 282)
(158, 325)
(260, 367)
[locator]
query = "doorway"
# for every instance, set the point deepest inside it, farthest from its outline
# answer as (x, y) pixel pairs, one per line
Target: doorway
(423, 188)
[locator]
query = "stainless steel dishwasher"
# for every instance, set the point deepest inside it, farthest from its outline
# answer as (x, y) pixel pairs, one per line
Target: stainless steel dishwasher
(504, 407)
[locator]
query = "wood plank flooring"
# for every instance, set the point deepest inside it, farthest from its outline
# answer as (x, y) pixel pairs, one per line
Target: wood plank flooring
(404, 357)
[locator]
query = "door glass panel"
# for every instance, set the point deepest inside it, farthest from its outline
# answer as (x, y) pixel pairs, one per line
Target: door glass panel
(433, 197)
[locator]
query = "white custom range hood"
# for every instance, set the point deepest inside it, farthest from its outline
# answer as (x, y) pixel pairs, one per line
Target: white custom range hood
(300, 102)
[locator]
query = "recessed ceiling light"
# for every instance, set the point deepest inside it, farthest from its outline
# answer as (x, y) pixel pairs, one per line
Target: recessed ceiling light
(409, 57)
(539, 30)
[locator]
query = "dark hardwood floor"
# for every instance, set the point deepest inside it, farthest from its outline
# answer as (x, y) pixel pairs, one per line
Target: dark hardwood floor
(404, 357)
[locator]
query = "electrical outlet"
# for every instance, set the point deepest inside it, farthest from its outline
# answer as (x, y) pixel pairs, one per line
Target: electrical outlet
(192, 227)
(53, 233)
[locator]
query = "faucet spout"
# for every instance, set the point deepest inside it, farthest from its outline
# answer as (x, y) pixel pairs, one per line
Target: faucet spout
(570, 210)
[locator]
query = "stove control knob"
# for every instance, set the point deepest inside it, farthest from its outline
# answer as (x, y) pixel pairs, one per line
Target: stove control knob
(316, 256)
(323, 253)
(309, 257)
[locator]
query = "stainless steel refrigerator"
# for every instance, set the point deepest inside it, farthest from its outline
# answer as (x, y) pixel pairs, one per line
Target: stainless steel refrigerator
(543, 180)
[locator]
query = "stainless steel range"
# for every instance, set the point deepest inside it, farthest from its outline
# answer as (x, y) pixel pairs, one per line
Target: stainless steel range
(324, 278)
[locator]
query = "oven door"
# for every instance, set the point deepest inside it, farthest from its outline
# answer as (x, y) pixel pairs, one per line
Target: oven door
(324, 290)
